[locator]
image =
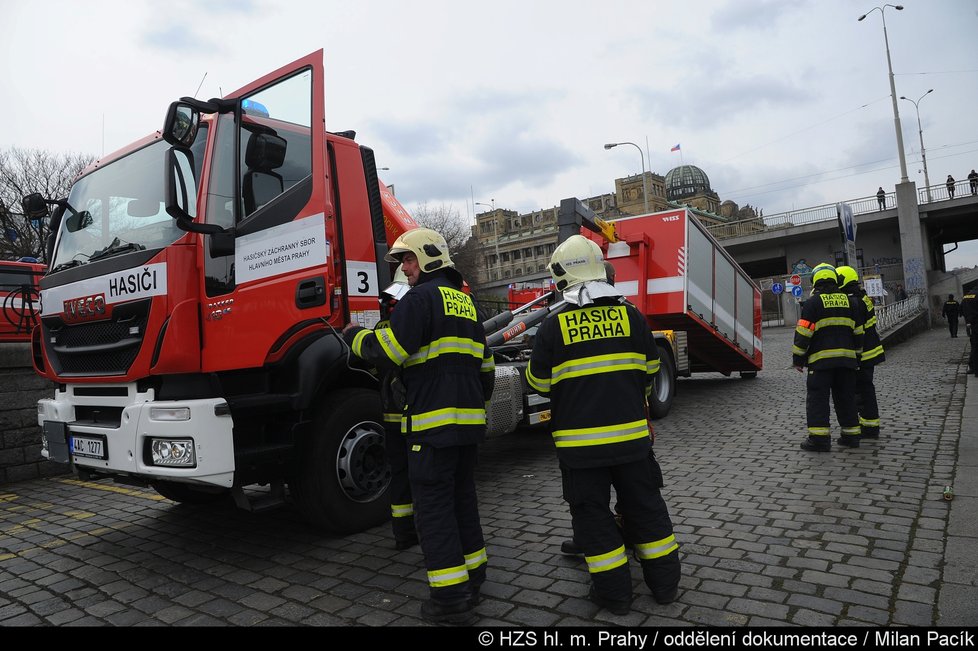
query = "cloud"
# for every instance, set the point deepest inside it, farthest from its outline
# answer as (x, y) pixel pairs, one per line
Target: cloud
(752, 14)
(708, 101)
(178, 38)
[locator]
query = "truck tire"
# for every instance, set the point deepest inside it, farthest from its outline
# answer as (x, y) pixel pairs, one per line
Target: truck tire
(342, 474)
(664, 389)
(186, 494)
(748, 375)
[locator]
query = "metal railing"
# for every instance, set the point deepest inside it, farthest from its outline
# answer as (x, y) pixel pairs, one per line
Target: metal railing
(791, 218)
(828, 212)
(939, 192)
(896, 314)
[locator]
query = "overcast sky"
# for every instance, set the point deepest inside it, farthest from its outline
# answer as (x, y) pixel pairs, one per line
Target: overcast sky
(784, 104)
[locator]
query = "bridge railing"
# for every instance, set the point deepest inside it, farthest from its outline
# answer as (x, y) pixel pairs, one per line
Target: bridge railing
(891, 316)
(940, 192)
(791, 218)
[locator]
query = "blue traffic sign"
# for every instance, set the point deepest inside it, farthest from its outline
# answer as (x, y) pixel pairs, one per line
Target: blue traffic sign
(777, 288)
(796, 291)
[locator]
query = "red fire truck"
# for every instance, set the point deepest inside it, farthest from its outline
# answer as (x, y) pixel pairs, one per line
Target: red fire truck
(18, 299)
(191, 313)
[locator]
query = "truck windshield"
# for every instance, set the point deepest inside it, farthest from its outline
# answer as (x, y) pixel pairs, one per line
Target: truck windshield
(119, 209)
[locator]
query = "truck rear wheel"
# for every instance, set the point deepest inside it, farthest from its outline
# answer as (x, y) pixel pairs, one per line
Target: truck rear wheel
(343, 474)
(186, 494)
(664, 389)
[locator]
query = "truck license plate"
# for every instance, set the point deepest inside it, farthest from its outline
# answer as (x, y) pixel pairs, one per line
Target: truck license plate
(89, 447)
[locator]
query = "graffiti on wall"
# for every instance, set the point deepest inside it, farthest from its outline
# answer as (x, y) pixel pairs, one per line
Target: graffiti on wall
(914, 275)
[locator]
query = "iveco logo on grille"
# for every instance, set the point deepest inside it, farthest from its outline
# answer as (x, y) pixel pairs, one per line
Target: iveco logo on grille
(86, 307)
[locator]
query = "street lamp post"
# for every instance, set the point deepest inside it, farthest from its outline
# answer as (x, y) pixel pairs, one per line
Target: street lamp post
(893, 95)
(495, 231)
(645, 188)
(920, 131)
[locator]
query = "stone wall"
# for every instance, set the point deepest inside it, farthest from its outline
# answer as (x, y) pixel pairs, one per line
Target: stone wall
(20, 436)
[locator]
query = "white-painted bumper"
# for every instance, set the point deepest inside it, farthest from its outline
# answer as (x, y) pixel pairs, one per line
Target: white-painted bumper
(127, 442)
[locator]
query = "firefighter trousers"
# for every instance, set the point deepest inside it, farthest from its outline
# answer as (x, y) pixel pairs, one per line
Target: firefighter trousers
(646, 520)
(866, 404)
(841, 384)
(402, 505)
(447, 518)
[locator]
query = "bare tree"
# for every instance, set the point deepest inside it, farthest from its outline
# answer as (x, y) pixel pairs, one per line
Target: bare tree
(463, 248)
(23, 171)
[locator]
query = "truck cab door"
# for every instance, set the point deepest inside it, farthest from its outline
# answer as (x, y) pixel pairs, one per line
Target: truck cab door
(265, 182)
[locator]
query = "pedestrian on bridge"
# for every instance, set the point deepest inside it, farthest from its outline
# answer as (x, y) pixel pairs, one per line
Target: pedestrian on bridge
(881, 198)
(950, 186)
(973, 181)
(869, 357)
(828, 339)
(950, 312)
(597, 360)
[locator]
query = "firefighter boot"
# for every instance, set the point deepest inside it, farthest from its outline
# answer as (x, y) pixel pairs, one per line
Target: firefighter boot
(848, 440)
(448, 612)
(869, 432)
(571, 548)
(615, 606)
(817, 444)
(662, 576)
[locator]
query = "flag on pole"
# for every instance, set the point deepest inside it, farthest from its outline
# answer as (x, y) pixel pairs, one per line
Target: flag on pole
(676, 148)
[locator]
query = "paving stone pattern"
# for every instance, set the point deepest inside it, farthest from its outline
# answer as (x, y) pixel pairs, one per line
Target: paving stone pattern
(769, 534)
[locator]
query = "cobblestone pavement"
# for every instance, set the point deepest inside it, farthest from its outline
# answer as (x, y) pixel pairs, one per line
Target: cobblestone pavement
(769, 534)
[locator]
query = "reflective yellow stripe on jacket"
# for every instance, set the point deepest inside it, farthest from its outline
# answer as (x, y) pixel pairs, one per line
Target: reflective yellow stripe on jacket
(598, 364)
(871, 354)
(832, 353)
(540, 384)
(391, 347)
(445, 346)
(441, 417)
(568, 438)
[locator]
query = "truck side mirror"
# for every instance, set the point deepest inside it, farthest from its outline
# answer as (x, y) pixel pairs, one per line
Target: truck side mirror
(180, 192)
(34, 205)
(180, 126)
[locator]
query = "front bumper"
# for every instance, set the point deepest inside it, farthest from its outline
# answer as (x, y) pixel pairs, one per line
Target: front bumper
(128, 435)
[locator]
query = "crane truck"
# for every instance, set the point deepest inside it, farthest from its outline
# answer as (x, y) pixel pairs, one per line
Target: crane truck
(191, 310)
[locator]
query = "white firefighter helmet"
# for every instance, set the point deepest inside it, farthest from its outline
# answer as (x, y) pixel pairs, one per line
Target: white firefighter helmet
(577, 260)
(399, 286)
(428, 245)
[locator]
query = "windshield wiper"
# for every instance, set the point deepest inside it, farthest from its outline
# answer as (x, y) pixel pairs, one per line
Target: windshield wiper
(67, 265)
(117, 246)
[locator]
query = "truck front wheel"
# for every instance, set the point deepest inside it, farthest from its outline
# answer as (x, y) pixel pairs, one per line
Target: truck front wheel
(664, 389)
(342, 475)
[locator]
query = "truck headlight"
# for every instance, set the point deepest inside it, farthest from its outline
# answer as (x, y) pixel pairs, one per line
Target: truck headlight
(173, 452)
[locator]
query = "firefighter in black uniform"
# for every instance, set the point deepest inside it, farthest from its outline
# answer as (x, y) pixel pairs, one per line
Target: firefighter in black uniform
(597, 360)
(392, 399)
(950, 312)
(828, 340)
(969, 310)
(872, 354)
(448, 374)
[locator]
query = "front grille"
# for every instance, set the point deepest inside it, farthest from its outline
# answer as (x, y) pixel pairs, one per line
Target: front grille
(100, 347)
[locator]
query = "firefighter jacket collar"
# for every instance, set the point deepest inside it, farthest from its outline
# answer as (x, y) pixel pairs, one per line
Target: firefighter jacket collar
(587, 292)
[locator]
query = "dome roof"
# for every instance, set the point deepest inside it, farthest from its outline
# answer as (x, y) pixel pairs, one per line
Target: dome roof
(686, 181)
